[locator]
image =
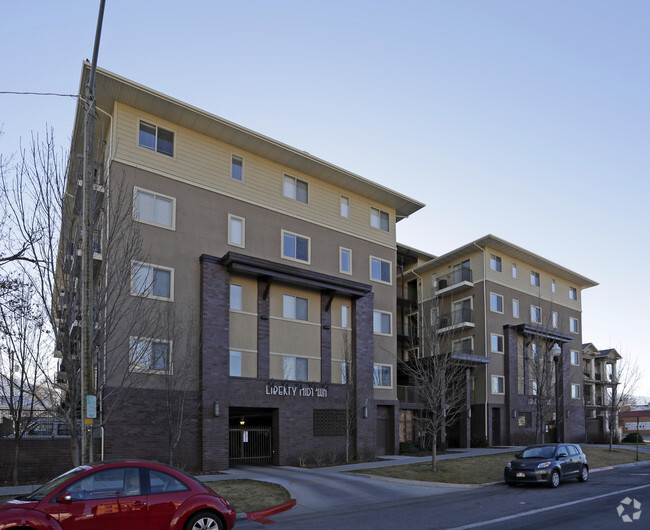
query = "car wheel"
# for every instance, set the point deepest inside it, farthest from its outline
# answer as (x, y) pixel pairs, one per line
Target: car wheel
(584, 474)
(555, 479)
(204, 521)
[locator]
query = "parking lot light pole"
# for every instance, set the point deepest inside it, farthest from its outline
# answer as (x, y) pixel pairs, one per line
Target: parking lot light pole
(556, 351)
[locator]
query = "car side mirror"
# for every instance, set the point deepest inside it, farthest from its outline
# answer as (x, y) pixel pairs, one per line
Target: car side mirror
(65, 497)
(517, 455)
(562, 455)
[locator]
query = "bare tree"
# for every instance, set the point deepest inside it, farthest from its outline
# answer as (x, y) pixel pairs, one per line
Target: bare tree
(439, 372)
(43, 197)
(620, 393)
(23, 333)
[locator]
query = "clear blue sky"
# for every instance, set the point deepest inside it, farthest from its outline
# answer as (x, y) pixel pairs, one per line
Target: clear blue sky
(527, 120)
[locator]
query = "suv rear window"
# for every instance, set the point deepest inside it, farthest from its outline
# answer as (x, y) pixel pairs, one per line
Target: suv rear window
(573, 450)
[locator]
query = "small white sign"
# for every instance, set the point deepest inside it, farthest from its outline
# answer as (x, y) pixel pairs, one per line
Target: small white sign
(632, 426)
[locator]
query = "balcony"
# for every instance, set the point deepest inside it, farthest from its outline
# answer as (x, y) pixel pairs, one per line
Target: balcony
(408, 394)
(456, 280)
(456, 320)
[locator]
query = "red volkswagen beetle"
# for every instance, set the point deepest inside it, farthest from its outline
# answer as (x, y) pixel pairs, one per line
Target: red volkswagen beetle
(123, 495)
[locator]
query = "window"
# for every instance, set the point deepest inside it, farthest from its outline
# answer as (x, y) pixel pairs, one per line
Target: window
(535, 314)
(534, 350)
(345, 260)
(295, 189)
(156, 138)
(345, 206)
(294, 368)
(573, 293)
(553, 286)
(161, 482)
(379, 219)
(495, 263)
(555, 319)
(533, 388)
(153, 208)
(236, 230)
(381, 323)
(497, 384)
(235, 297)
(496, 342)
(294, 307)
(237, 167)
(575, 357)
(344, 373)
(514, 270)
(345, 316)
(149, 355)
(496, 303)
(152, 281)
(515, 308)
(295, 247)
(524, 419)
(380, 270)
(235, 363)
(573, 325)
(107, 483)
(382, 376)
(575, 391)
(534, 278)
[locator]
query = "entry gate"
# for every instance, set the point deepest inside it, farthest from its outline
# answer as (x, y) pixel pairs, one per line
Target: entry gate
(250, 445)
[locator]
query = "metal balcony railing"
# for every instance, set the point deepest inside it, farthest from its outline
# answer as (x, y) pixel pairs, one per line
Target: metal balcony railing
(455, 318)
(464, 274)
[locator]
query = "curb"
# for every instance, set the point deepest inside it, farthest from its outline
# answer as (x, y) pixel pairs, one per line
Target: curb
(261, 515)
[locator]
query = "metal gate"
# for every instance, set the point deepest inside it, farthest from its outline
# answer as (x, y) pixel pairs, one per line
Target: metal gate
(250, 445)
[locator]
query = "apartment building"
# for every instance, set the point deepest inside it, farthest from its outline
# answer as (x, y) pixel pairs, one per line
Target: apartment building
(513, 319)
(600, 373)
(287, 264)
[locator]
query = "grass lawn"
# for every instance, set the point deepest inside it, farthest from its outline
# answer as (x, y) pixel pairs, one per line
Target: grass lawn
(250, 495)
(489, 468)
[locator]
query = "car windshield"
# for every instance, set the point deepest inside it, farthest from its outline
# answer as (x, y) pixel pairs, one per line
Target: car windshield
(48, 488)
(538, 452)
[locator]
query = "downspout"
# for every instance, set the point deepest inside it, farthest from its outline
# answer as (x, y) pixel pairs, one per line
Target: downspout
(485, 341)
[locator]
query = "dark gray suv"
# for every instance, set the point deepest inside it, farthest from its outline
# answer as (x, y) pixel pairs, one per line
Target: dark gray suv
(547, 464)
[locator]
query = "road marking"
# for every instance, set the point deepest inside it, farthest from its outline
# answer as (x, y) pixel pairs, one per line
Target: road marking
(555, 507)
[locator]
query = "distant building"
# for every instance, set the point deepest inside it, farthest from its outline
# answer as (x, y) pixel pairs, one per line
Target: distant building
(505, 307)
(636, 419)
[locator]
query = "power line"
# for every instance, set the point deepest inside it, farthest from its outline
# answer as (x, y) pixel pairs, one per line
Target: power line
(38, 94)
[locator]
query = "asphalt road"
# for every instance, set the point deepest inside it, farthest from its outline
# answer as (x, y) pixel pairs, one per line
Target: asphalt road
(594, 504)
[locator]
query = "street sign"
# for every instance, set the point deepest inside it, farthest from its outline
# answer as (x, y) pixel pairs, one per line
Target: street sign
(91, 407)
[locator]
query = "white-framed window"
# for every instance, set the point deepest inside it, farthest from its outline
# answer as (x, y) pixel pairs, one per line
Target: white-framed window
(496, 303)
(235, 363)
(235, 297)
(553, 286)
(237, 167)
(575, 391)
(382, 376)
(574, 327)
(296, 247)
(514, 270)
(533, 387)
(380, 270)
(295, 307)
(498, 384)
(150, 355)
(495, 262)
(575, 357)
(573, 293)
(382, 322)
(236, 231)
(345, 260)
(345, 206)
(156, 138)
(295, 368)
(345, 316)
(515, 308)
(496, 343)
(536, 314)
(534, 278)
(555, 319)
(296, 189)
(379, 219)
(152, 281)
(154, 208)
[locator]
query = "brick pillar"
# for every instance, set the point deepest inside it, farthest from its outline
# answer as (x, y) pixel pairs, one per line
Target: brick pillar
(214, 370)
(465, 419)
(363, 351)
(263, 328)
(511, 377)
(325, 338)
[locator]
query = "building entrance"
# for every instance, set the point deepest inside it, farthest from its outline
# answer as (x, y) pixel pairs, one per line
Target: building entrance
(251, 436)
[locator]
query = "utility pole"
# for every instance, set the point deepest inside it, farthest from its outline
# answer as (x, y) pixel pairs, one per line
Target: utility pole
(88, 397)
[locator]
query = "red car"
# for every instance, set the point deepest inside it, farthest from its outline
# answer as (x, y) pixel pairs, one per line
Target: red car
(123, 495)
